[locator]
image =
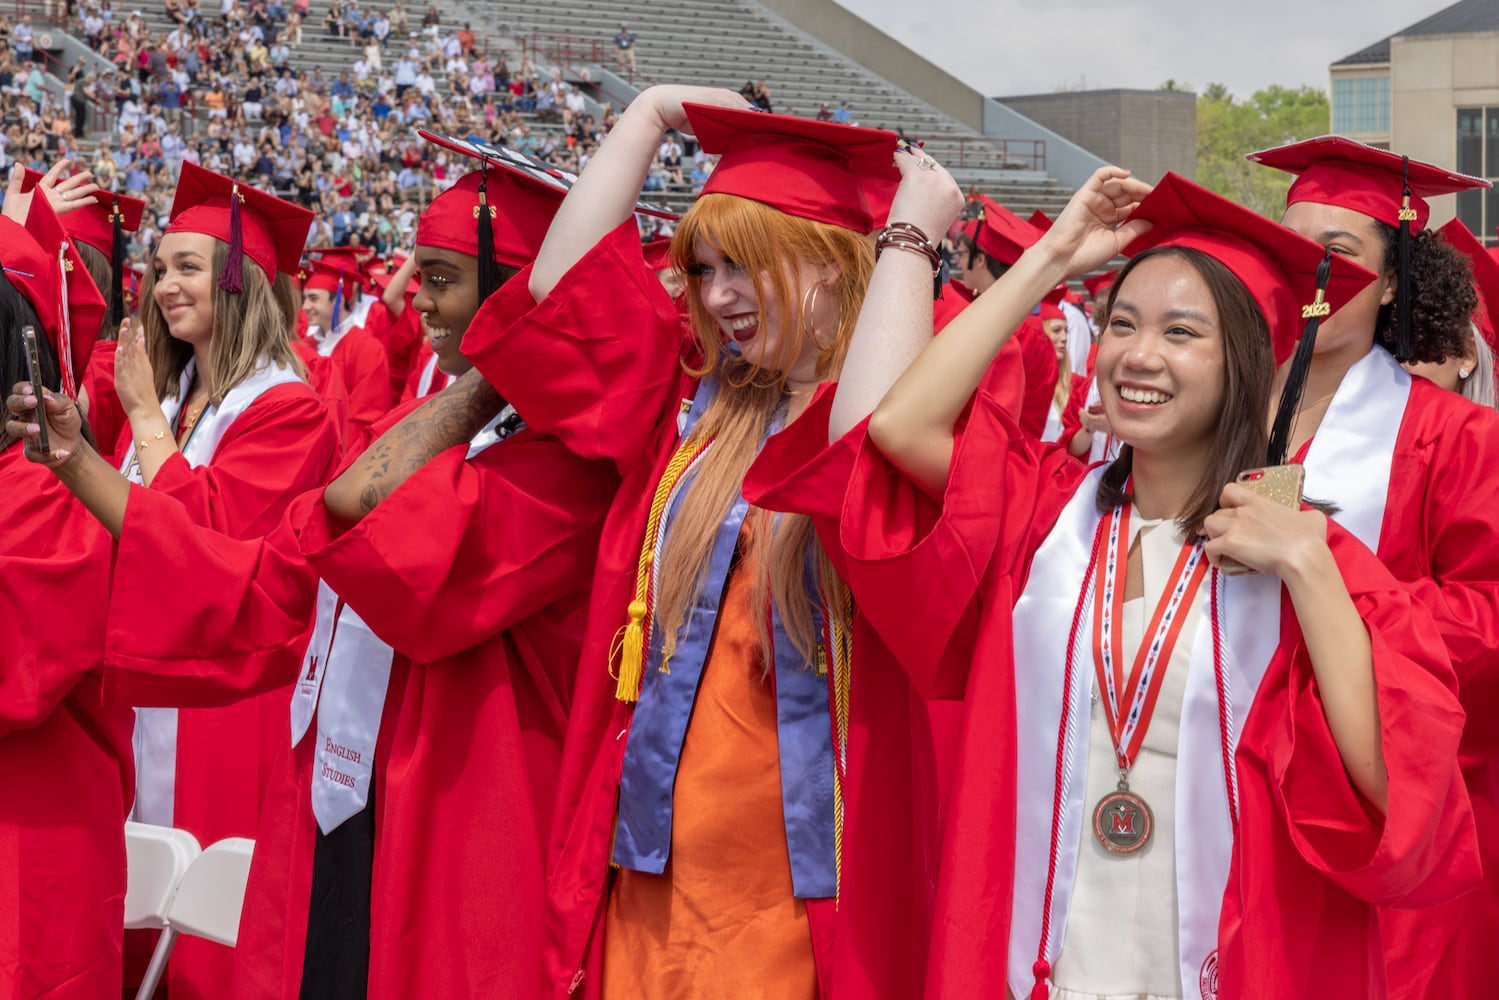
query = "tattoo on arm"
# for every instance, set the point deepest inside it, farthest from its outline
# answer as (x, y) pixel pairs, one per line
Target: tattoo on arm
(450, 418)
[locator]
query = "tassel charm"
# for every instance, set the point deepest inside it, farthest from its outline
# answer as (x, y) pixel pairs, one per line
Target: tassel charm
(1403, 279)
(489, 268)
(233, 278)
(1301, 362)
(631, 645)
(116, 266)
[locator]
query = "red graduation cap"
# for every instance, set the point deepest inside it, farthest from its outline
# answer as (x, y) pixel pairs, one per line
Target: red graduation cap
(842, 175)
(1000, 233)
(271, 232)
(1055, 296)
(1051, 311)
(657, 254)
(334, 268)
(43, 264)
(1292, 279)
(1099, 284)
(1337, 171)
(93, 223)
(1040, 220)
(520, 212)
(1485, 277)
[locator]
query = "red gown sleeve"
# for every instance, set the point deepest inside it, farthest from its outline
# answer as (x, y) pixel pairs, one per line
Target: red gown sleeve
(282, 445)
(1461, 588)
(361, 362)
(1003, 494)
(1041, 372)
(1424, 850)
(105, 413)
(197, 618)
(798, 472)
(54, 582)
(497, 538)
(1077, 399)
(597, 363)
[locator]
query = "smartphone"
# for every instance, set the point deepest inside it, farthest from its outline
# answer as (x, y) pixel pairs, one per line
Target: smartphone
(1281, 483)
(34, 373)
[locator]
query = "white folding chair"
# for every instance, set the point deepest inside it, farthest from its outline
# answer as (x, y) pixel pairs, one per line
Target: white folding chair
(156, 858)
(206, 905)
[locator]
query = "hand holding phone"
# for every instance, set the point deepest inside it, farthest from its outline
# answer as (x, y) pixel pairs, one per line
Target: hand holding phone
(1281, 483)
(34, 373)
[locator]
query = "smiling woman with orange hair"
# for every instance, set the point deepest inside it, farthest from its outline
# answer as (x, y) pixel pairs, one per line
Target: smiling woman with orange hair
(700, 813)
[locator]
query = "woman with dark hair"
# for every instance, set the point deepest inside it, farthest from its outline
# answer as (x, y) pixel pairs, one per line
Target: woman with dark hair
(1246, 765)
(1413, 471)
(64, 747)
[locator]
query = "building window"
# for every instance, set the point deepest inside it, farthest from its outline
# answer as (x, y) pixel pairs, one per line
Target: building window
(1361, 105)
(1478, 154)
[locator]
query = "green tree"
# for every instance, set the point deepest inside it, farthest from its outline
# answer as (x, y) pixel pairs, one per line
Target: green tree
(1227, 129)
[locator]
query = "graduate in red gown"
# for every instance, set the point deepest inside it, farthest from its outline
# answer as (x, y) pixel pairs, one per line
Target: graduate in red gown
(64, 750)
(330, 297)
(1300, 768)
(1414, 471)
(1470, 373)
(219, 419)
(445, 749)
(702, 796)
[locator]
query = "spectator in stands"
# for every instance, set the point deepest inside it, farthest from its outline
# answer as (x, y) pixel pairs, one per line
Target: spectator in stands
(844, 115)
(431, 21)
(624, 44)
(22, 38)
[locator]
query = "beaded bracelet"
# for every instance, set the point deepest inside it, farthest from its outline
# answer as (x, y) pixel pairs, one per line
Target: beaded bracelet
(904, 236)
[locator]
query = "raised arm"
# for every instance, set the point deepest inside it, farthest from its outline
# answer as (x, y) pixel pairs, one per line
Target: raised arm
(452, 417)
(895, 320)
(1292, 545)
(605, 194)
(394, 296)
(913, 424)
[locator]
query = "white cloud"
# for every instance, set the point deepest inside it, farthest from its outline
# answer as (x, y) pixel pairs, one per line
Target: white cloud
(1036, 46)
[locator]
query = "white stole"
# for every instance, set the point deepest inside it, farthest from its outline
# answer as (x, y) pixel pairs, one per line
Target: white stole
(1250, 607)
(1105, 447)
(344, 680)
(1352, 455)
(156, 728)
(430, 375)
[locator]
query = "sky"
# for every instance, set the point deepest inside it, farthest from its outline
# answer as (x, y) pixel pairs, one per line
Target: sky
(1011, 47)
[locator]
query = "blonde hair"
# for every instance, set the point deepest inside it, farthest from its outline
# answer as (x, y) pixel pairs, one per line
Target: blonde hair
(763, 241)
(247, 326)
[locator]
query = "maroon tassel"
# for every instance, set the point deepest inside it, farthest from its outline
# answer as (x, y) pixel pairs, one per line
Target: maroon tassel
(233, 278)
(1042, 971)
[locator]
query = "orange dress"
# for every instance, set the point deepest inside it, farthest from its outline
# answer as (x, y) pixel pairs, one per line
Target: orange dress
(721, 920)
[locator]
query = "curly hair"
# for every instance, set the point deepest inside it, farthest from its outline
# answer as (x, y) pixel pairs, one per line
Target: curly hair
(1442, 297)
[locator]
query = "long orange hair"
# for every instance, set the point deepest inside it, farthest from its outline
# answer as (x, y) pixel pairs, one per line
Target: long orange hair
(764, 241)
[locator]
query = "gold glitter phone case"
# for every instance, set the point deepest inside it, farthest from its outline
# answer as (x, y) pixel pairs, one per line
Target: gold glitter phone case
(1281, 483)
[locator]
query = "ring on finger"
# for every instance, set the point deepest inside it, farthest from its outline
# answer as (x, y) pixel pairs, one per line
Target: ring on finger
(927, 163)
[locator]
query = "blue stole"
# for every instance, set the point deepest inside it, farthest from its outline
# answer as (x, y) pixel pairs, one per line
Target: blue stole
(642, 840)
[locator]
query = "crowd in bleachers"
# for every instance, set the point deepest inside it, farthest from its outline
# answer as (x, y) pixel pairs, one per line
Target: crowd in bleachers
(221, 87)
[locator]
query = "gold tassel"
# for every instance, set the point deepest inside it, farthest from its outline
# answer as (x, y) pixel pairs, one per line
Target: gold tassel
(631, 647)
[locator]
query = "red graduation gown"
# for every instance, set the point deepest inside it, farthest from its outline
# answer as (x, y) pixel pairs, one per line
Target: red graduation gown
(484, 608)
(284, 444)
(1438, 536)
(1041, 373)
(401, 336)
(105, 414)
(900, 746)
(1005, 379)
(361, 364)
(65, 753)
(1305, 835)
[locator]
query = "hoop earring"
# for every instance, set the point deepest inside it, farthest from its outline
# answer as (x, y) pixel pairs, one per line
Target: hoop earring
(807, 309)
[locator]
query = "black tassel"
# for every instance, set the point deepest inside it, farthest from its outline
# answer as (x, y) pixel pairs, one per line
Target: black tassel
(1403, 277)
(489, 268)
(1301, 363)
(117, 268)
